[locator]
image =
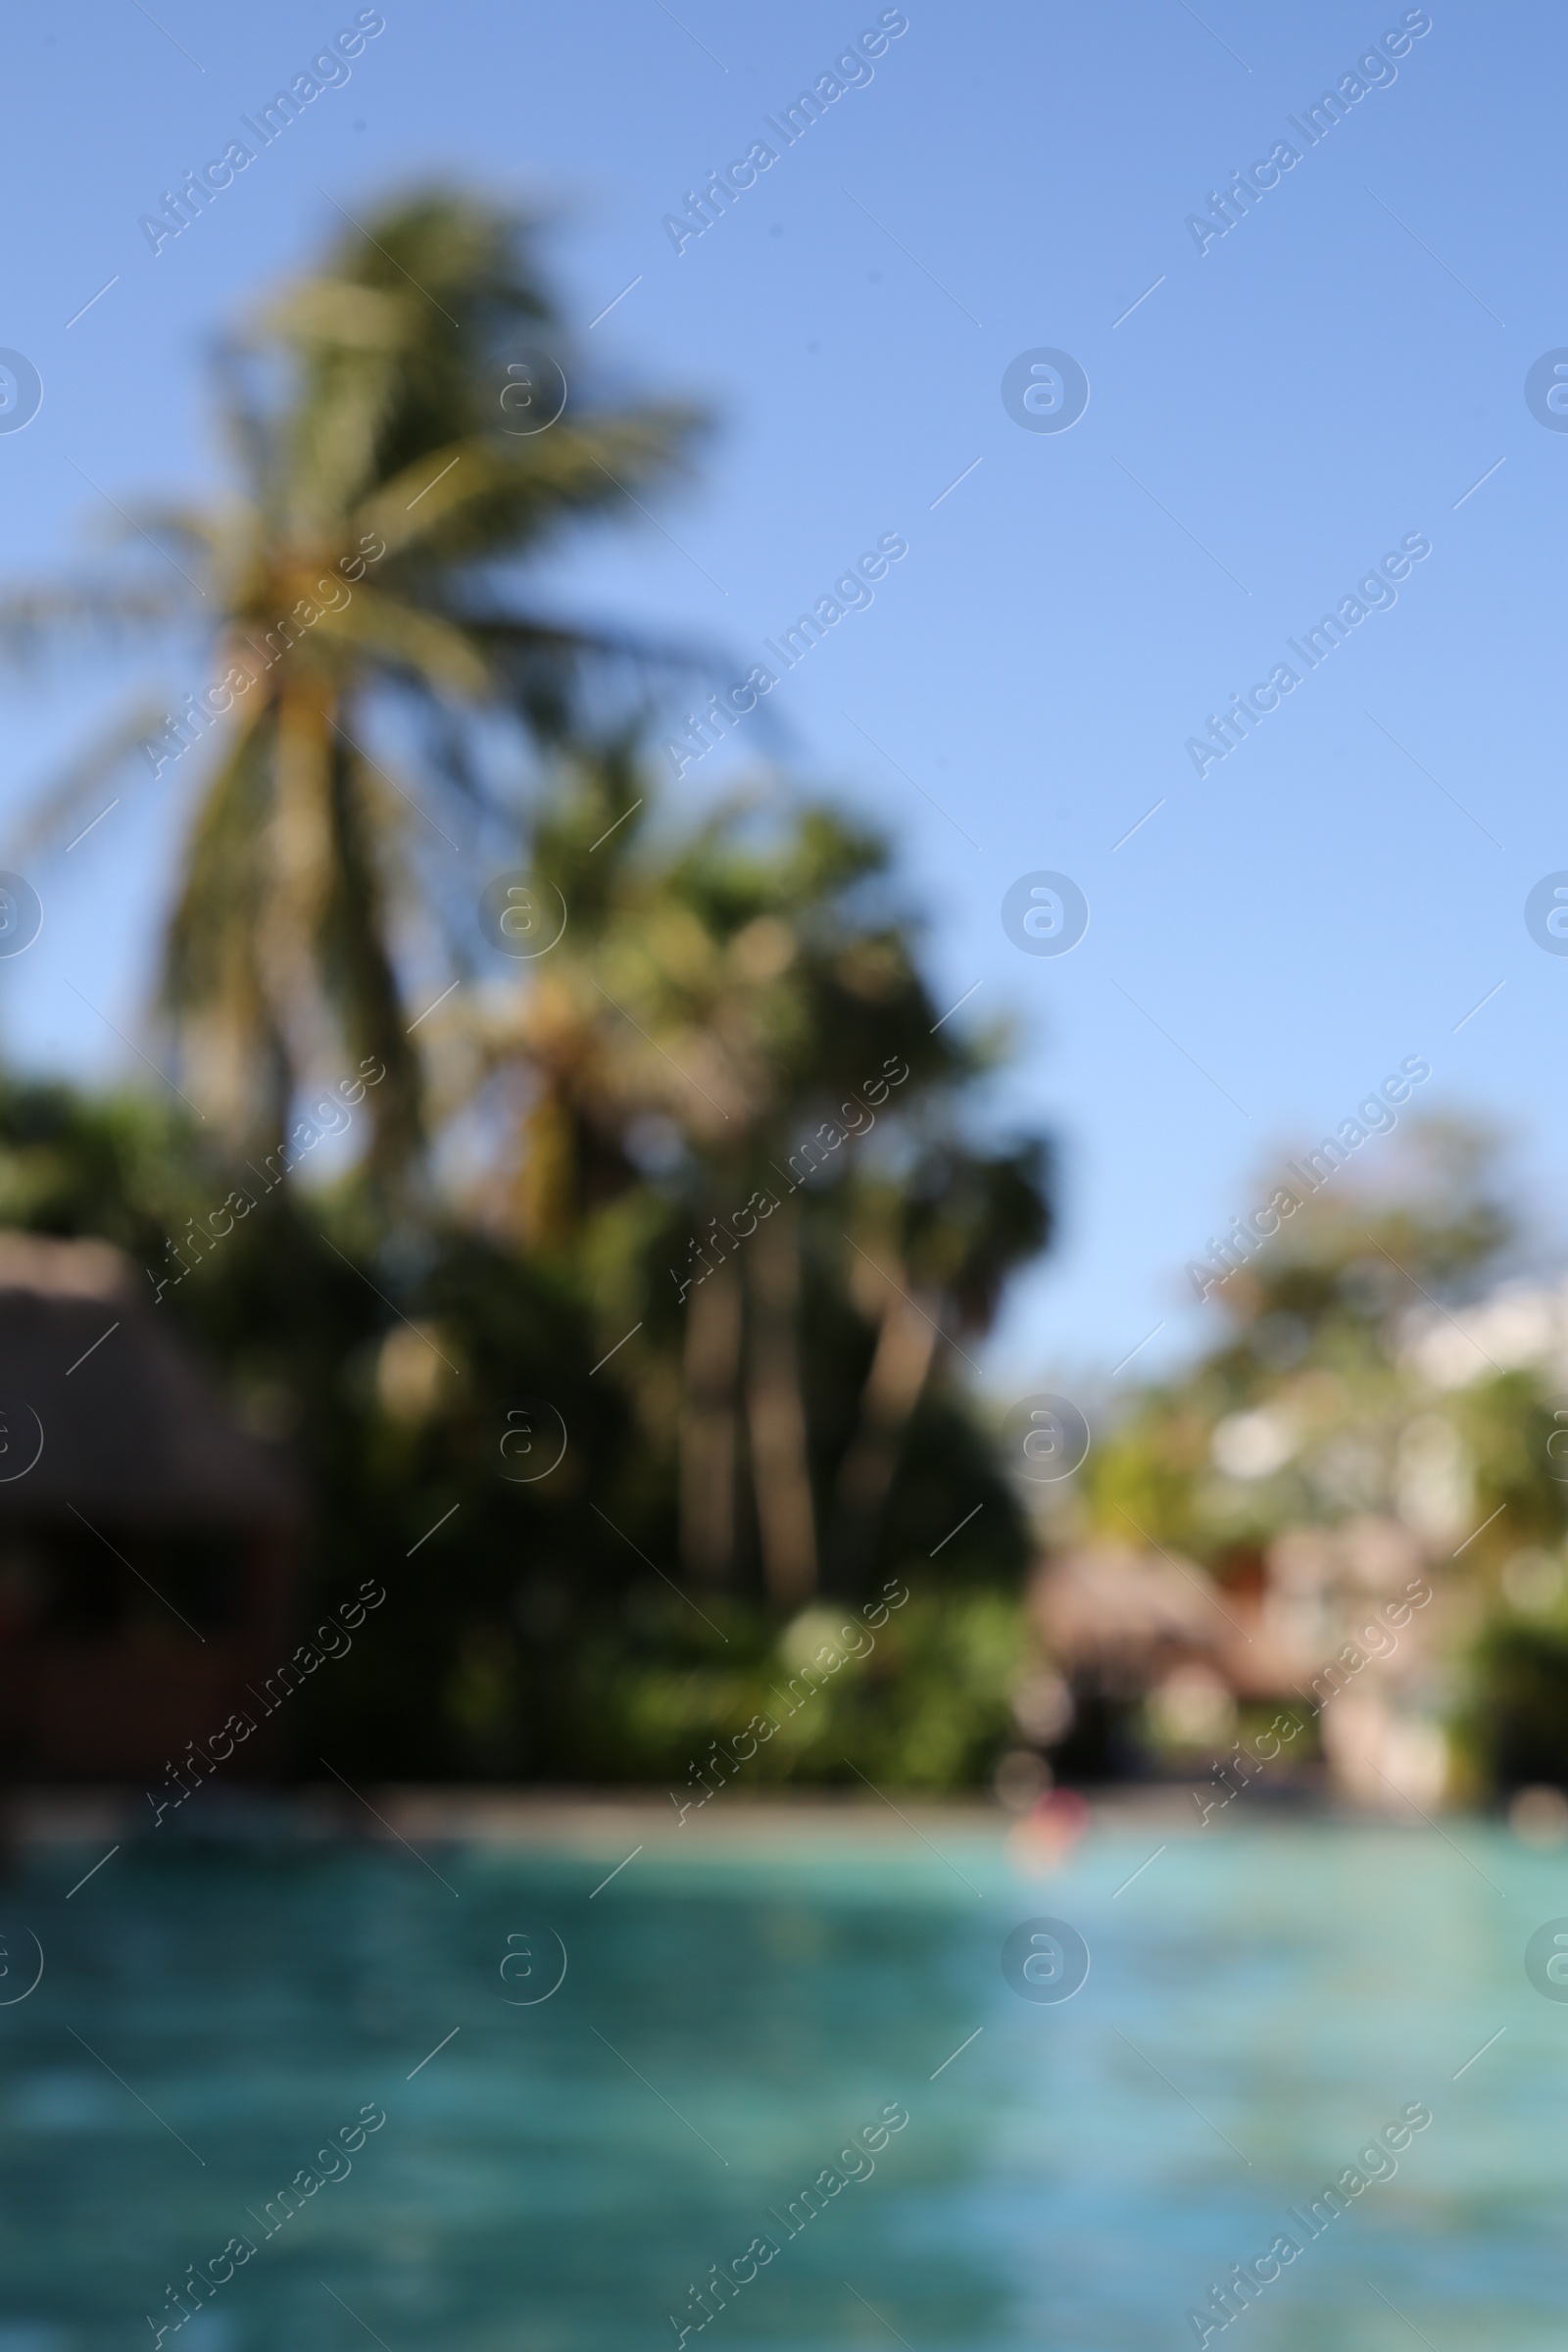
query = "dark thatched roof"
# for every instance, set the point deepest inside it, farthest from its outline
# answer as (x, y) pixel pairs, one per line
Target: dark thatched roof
(101, 1395)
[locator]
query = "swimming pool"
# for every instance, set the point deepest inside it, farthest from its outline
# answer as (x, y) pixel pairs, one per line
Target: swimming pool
(213, 2027)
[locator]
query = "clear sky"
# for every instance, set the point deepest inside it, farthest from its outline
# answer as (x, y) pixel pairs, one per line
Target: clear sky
(1279, 411)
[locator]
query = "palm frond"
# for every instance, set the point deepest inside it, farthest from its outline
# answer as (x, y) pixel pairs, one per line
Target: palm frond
(40, 620)
(434, 650)
(482, 497)
(69, 795)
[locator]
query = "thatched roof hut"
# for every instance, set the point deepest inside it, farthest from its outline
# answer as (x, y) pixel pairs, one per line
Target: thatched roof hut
(146, 1540)
(1120, 1615)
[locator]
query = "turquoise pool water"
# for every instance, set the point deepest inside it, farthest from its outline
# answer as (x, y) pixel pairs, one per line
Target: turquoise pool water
(1260, 2002)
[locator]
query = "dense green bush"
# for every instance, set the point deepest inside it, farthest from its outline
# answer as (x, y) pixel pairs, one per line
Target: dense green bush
(1516, 1728)
(541, 1633)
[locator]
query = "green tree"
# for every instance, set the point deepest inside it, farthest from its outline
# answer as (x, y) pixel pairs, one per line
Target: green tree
(367, 555)
(1318, 1321)
(741, 1117)
(1378, 1366)
(761, 1399)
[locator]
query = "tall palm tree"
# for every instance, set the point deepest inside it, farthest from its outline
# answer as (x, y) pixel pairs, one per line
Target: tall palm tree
(937, 1247)
(737, 988)
(386, 493)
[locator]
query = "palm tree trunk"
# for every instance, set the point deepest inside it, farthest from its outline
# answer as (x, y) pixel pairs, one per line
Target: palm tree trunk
(904, 1347)
(356, 941)
(545, 1197)
(707, 1426)
(776, 1415)
(300, 864)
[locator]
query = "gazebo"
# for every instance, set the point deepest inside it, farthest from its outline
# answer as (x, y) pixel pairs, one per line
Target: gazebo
(147, 1542)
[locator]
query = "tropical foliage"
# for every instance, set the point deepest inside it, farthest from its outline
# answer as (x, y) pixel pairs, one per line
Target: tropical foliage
(632, 1336)
(1384, 1360)
(366, 570)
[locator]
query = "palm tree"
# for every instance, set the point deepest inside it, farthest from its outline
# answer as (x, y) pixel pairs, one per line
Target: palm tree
(734, 990)
(937, 1247)
(366, 559)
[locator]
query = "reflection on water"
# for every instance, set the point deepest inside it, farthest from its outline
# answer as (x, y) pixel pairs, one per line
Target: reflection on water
(564, 2172)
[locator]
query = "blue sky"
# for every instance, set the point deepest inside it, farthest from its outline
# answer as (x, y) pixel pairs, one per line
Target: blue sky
(1334, 374)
